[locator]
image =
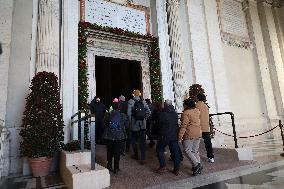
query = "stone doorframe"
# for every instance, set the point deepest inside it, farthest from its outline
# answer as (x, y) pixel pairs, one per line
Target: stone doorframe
(110, 45)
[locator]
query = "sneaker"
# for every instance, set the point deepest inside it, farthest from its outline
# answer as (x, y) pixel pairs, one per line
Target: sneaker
(197, 169)
(211, 160)
(161, 170)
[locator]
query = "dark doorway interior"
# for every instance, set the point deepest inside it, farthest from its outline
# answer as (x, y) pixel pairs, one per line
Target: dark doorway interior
(115, 77)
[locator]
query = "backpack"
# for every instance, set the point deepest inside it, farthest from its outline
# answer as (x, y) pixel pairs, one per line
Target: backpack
(114, 120)
(139, 111)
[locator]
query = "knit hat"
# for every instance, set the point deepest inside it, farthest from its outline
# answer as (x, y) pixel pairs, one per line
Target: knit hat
(121, 98)
(136, 93)
(115, 100)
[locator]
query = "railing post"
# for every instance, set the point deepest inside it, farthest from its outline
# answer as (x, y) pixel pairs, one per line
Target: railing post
(234, 130)
(82, 128)
(93, 142)
(282, 135)
(78, 127)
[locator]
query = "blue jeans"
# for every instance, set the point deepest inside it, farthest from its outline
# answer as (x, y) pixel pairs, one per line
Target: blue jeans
(141, 137)
(174, 149)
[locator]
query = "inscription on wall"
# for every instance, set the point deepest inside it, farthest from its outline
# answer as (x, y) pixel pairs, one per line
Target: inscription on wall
(114, 15)
(233, 25)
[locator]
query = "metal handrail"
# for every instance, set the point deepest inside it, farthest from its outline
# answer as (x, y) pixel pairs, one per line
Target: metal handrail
(233, 125)
(86, 119)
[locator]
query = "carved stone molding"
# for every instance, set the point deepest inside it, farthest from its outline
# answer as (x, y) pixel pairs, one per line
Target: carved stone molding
(231, 33)
(121, 47)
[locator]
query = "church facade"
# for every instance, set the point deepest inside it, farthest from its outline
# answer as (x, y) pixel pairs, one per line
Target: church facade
(233, 48)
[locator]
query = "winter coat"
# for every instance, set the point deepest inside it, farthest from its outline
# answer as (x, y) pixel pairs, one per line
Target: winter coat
(204, 116)
(115, 134)
(123, 107)
(190, 124)
(99, 109)
(137, 125)
(168, 124)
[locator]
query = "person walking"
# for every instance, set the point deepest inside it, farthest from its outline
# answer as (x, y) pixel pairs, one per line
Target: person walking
(122, 104)
(190, 132)
(205, 126)
(99, 109)
(115, 135)
(138, 112)
(149, 123)
(168, 136)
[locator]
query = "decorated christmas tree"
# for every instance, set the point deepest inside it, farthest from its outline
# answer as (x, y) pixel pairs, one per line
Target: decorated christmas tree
(42, 131)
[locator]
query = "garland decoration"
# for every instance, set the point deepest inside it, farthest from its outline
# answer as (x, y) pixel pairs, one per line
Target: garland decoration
(154, 61)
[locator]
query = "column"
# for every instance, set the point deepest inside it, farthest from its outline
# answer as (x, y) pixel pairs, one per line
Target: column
(279, 22)
(165, 58)
(179, 86)
(48, 36)
(257, 36)
(275, 63)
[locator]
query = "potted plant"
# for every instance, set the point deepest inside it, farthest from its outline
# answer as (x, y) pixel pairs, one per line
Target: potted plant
(42, 132)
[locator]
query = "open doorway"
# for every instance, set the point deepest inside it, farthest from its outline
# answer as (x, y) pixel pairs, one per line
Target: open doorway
(115, 77)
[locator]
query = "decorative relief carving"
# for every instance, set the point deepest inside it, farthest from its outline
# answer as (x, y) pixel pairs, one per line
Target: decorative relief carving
(48, 37)
(121, 50)
(176, 53)
(233, 25)
(117, 16)
(4, 149)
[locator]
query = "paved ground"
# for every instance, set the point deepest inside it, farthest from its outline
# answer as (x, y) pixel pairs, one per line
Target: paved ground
(133, 175)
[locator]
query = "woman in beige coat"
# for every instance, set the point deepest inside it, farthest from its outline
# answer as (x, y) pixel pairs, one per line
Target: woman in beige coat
(190, 132)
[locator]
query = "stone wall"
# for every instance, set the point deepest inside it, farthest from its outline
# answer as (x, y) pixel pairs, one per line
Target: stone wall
(244, 91)
(6, 10)
(19, 75)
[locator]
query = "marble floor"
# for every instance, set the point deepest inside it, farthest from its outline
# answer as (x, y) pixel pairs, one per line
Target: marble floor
(268, 176)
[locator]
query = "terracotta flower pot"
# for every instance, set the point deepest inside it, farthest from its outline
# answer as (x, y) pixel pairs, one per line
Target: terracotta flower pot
(40, 166)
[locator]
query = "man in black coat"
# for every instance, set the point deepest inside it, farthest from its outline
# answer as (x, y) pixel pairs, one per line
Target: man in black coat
(168, 136)
(99, 109)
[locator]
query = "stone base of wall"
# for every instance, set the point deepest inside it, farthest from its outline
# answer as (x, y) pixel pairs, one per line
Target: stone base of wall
(75, 170)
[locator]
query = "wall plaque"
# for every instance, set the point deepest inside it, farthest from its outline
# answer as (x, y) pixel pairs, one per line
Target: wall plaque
(114, 15)
(233, 25)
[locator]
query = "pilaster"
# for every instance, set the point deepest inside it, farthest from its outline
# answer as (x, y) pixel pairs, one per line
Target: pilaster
(201, 50)
(275, 64)
(165, 58)
(179, 85)
(217, 57)
(69, 72)
(256, 35)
